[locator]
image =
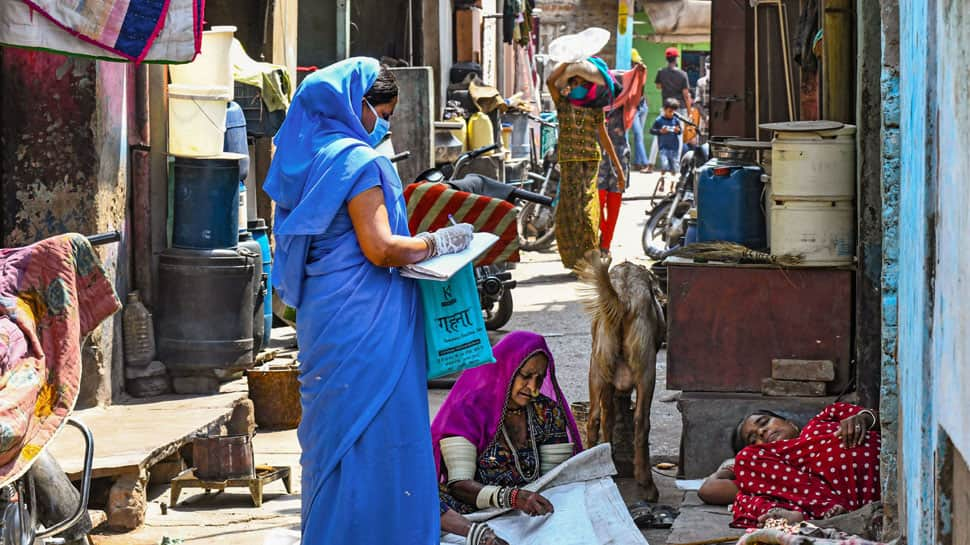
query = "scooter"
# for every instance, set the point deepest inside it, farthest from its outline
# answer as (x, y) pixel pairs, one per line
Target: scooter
(494, 280)
(44, 491)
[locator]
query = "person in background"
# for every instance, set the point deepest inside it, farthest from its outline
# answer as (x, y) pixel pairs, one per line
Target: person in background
(672, 81)
(620, 116)
(640, 161)
(667, 130)
(704, 98)
(692, 134)
(581, 91)
(341, 232)
(673, 84)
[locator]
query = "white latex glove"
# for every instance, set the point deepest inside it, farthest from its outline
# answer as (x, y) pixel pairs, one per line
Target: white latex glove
(452, 239)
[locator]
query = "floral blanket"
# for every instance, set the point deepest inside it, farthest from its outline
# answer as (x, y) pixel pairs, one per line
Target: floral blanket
(52, 294)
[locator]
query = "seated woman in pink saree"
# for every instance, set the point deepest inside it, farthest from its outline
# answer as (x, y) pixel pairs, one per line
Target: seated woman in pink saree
(501, 427)
(827, 468)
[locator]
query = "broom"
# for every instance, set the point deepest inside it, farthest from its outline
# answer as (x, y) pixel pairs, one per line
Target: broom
(730, 252)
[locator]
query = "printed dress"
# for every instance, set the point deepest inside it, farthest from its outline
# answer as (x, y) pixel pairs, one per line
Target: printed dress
(606, 177)
(496, 465)
(810, 474)
(578, 211)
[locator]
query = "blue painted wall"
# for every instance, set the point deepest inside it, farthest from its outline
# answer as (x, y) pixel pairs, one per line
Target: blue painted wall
(933, 257)
(917, 125)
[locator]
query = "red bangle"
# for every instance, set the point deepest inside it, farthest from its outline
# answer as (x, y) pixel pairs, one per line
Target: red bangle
(514, 497)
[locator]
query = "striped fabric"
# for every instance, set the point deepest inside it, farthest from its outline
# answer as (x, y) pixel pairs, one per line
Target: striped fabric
(430, 204)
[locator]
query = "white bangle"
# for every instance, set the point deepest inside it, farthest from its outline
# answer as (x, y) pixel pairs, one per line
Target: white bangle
(458, 455)
(486, 495)
(872, 415)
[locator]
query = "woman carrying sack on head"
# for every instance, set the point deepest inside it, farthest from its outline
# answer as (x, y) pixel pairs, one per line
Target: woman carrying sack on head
(580, 91)
(341, 230)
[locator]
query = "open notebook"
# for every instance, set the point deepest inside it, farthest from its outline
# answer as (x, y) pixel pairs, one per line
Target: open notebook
(443, 267)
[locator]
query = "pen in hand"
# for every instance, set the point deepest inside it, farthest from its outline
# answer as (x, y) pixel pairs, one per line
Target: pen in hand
(452, 219)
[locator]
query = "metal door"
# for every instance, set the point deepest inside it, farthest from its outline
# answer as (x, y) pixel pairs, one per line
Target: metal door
(732, 69)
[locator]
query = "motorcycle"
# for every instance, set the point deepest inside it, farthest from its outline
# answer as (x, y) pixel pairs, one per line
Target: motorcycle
(32, 503)
(667, 219)
(494, 280)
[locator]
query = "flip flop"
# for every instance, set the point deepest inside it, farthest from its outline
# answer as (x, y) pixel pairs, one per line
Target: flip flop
(642, 514)
(659, 517)
(664, 516)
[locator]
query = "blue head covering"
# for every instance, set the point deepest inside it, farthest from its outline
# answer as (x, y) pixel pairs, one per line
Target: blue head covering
(321, 151)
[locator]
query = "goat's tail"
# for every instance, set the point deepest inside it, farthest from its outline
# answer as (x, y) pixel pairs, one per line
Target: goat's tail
(599, 297)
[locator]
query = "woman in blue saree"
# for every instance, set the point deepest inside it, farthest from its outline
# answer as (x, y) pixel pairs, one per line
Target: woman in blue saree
(341, 230)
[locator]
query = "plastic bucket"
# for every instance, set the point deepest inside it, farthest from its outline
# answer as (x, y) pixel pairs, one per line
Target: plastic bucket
(815, 165)
(196, 120)
(822, 232)
(212, 67)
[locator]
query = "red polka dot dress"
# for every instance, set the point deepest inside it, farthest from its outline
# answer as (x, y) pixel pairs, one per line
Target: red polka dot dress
(811, 473)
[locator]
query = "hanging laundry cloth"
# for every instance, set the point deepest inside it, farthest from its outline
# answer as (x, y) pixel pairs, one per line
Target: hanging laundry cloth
(132, 30)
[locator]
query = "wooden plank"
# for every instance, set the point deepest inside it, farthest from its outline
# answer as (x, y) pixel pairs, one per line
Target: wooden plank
(727, 324)
(838, 60)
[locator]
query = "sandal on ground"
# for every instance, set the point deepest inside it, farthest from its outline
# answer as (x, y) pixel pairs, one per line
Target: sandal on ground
(646, 516)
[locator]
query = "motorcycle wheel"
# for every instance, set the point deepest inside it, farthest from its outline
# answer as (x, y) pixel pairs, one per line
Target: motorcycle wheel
(655, 226)
(536, 226)
(499, 313)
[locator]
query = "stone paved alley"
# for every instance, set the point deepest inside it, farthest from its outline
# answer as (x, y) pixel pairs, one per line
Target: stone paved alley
(546, 301)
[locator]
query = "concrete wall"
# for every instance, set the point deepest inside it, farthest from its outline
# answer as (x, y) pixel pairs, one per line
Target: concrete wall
(933, 324)
(64, 168)
(890, 175)
(570, 16)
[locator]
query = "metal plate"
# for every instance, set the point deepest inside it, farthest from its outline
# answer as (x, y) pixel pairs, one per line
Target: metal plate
(726, 324)
(803, 126)
(748, 144)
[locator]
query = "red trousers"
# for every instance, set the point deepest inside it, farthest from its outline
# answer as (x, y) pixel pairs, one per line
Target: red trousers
(609, 213)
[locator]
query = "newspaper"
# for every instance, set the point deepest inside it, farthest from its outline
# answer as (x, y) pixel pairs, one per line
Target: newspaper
(589, 508)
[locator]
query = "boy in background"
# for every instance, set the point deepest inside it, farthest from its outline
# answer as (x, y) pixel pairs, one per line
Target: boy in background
(667, 128)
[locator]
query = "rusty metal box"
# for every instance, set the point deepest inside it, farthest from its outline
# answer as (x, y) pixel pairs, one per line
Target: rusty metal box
(726, 323)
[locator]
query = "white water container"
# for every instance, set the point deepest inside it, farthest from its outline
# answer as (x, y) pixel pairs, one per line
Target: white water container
(766, 201)
(212, 67)
(823, 232)
(818, 165)
(196, 120)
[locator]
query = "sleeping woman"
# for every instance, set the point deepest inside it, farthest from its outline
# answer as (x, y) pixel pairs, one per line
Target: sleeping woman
(827, 468)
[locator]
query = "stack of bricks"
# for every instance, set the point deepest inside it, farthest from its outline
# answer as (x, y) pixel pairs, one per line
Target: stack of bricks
(798, 378)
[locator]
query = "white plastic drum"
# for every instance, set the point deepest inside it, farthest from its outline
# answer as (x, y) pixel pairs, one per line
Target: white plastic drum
(213, 66)
(822, 232)
(814, 165)
(766, 203)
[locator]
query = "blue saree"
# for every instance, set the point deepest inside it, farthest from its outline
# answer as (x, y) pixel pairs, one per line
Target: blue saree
(368, 468)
